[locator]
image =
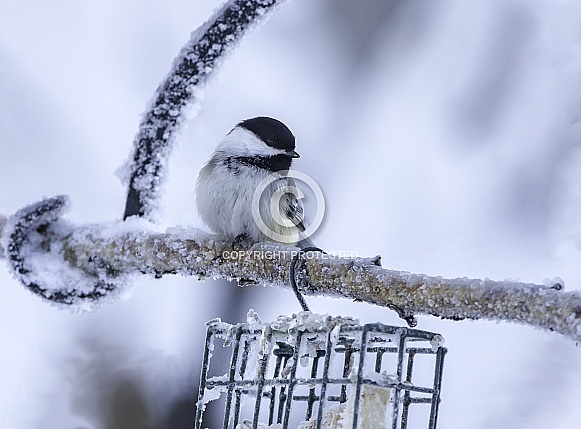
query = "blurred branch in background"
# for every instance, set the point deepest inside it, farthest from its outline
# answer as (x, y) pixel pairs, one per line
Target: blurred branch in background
(100, 259)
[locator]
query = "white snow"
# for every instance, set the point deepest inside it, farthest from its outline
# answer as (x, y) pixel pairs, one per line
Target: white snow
(212, 393)
(438, 164)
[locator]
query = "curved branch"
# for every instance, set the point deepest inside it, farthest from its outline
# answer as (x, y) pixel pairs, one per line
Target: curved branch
(191, 69)
(31, 247)
(107, 255)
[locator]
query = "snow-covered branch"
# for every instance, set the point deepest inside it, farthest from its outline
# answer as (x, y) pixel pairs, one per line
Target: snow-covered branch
(91, 264)
(181, 88)
(358, 279)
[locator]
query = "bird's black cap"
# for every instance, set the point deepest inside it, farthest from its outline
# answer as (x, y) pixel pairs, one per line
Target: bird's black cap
(273, 132)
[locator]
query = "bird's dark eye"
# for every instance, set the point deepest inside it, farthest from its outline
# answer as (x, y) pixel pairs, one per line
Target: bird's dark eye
(270, 142)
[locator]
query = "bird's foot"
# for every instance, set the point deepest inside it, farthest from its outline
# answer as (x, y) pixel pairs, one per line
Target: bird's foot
(242, 241)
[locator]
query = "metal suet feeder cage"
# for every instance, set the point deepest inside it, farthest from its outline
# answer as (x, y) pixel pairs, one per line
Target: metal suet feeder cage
(319, 372)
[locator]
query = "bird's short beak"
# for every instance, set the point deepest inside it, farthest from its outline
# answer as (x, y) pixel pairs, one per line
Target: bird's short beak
(293, 154)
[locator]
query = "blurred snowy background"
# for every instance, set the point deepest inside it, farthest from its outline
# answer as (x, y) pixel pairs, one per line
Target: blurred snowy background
(445, 136)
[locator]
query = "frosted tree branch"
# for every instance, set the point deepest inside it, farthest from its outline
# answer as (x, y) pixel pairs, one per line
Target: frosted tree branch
(181, 87)
(96, 263)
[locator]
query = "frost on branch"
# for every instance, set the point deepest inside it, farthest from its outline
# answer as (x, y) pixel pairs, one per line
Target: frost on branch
(84, 266)
(33, 241)
(191, 69)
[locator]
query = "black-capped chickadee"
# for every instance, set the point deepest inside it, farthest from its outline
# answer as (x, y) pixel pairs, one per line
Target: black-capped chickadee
(244, 191)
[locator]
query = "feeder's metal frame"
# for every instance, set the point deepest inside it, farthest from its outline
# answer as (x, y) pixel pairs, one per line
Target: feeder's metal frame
(235, 385)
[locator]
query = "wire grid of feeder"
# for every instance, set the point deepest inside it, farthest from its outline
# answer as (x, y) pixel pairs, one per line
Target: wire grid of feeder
(328, 374)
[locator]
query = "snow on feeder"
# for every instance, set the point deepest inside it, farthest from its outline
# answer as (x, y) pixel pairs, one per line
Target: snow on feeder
(311, 371)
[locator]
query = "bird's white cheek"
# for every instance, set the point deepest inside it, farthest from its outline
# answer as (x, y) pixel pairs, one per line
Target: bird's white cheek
(241, 142)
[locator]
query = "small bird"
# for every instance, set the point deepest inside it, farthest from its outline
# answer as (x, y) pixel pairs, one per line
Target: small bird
(245, 193)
